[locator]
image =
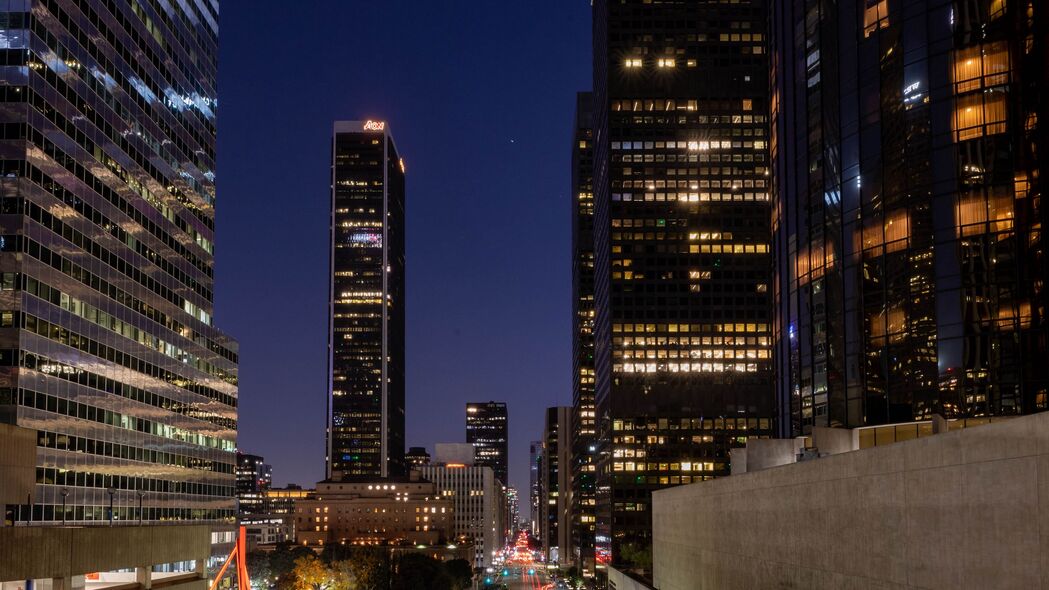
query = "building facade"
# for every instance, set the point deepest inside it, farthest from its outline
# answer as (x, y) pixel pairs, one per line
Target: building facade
(365, 511)
(416, 457)
(478, 510)
(254, 476)
(681, 235)
(583, 467)
(535, 463)
(909, 164)
(366, 312)
(486, 430)
(107, 236)
(556, 484)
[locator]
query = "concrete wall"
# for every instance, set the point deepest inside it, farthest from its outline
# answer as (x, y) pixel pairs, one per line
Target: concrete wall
(618, 580)
(964, 509)
(17, 464)
(62, 552)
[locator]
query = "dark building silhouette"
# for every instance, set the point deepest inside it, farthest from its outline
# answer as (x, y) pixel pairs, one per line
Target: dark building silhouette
(909, 151)
(681, 230)
(583, 476)
(366, 325)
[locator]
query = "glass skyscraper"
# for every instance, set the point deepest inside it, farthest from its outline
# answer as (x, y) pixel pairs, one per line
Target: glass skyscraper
(909, 146)
(584, 421)
(681, 239)
(486, 430)
(366, 314)
(107, 220)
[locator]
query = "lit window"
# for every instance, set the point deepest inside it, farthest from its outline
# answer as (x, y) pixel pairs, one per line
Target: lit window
(875, 17)
(982, 66)
(666, 62)
(632, 62)
(977, 115)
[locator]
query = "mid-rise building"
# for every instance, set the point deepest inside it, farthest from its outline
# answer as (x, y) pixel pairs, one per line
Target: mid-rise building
(681, 247)
(556, 484)
(366, 309)
(583, 467)
(254, 477)
(478, 510)
(282, 500)
(416, 457)
(909, 148)
(486, 430)
(366, 511)
(107, 241)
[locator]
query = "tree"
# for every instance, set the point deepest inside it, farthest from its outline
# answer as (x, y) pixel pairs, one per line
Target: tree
(416, 571)
(637, 555)
(370, 567)
(262, 576)
(460, 572)
(310, 573)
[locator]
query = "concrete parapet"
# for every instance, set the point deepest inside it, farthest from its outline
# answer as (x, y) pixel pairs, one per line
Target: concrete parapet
(964, 509)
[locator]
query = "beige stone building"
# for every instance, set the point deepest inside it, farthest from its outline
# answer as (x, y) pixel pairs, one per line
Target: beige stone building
(374, 511)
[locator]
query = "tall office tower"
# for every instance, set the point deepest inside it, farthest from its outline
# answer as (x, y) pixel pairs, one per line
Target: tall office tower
(583, 424)
(535, 464)
(366, 312)
(909, 146)
(486, 430)
(253, 476)
(106, 256)
(555, 483)
(681, 226)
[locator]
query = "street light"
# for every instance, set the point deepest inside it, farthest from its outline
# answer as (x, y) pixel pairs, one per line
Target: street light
(63, 492)
(111, 492)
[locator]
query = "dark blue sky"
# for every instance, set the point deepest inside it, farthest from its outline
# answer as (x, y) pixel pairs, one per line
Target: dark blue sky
(479, 96)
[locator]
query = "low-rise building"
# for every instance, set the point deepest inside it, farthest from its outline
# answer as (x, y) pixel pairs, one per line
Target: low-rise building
(374, 511)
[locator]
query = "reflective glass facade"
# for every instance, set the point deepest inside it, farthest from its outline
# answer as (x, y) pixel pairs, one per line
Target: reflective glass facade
(486, 430)
(584, 420)
(682, 334)
(909, 152)
(107, 199)
(366, 327)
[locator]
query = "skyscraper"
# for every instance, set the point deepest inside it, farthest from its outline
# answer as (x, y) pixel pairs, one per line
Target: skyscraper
(681, 227)
(583, 425)
(366, 314)
(555, 480)
(486, 430)
(254, 477)
(106, 253)
(909, 150)
(535, 463)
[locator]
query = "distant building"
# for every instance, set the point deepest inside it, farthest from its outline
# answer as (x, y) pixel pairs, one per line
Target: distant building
(380, 511)
(416, 457)
(555, 483)
(454, 454)
(268, 529)
(476, 494)
(282, 500)
(367, 298)
(513, 510)
(486, 430)
(254, 477)
(535, 463)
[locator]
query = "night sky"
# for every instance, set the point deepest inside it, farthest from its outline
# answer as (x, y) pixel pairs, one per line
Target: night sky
(479, 96)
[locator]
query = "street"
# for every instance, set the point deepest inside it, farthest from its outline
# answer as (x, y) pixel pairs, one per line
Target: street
(519, 578)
